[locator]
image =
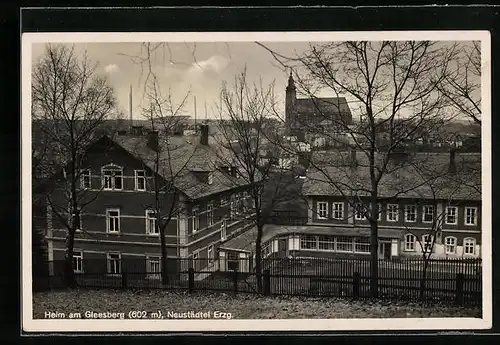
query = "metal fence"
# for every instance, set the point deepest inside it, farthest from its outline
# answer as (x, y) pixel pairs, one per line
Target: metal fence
(457, 280)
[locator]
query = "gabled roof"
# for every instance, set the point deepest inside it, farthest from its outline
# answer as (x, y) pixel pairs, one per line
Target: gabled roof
(181, 159)
(325, 105)
(419, 175)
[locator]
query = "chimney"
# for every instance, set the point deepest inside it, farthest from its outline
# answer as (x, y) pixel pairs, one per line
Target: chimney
(153, 140)
(452, 168)
(204, 134)
(353, 161)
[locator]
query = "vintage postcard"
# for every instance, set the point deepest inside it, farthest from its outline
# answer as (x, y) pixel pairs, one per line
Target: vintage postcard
(257, 181)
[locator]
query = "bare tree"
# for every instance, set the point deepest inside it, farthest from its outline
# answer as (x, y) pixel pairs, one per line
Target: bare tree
(395, 85)
(462, 85)
(69, 103)
(246, 131)
(168, 163)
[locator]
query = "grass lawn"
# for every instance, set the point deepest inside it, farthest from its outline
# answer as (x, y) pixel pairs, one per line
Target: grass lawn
(242, 306)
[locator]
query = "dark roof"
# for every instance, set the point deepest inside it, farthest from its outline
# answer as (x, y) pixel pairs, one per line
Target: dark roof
(418, 175)
(325, 105)
(182, 158)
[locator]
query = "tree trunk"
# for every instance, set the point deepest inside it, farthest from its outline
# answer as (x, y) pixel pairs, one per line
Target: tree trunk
(163, 244)
(423, 280)
(69, 274)
(258, 258)
(374, 250)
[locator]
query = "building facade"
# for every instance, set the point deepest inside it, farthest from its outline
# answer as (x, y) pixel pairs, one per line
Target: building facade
(207, 205)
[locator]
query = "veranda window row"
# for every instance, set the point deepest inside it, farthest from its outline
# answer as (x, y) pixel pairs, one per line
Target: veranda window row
(341, 244)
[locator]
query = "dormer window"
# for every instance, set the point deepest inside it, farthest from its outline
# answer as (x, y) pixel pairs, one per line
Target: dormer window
(112, 177)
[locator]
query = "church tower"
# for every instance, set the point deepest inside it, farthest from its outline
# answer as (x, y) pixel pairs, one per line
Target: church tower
(291, 96)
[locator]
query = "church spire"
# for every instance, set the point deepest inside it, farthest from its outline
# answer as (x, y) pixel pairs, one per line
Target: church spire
(291, 83)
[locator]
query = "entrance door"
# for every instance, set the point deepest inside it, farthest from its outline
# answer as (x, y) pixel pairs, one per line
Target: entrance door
(282, 248)
(384, 250)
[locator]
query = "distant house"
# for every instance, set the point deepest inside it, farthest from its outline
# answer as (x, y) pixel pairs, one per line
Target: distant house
(118, 226)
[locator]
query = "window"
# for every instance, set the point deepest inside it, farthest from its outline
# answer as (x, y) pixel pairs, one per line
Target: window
(471, 216)
(359, 212)
(140, 180)
(266, 250)
(379, 215)
(469, 246)
(113, 221)
(112, 178)
(392, 213)
(344, 244)
(326, 243)
(362, 245)
(195, 220)
(338, 210)
(153, 267)
(427, 243)
(77, 219)
(409, 243)
(210, 214)
(114, 263)
(428, 214)
(308, 242)
(322, 209)
(410, 213)
(450, 245)
(210, 254)
(234, 207)
(210, 178)
(151, 228)
(223, 230)
(196, 262)
(451, 215)
(86, 179)
(78, 262)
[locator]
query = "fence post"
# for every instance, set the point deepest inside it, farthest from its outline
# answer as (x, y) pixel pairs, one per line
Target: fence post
(356, 282)
(459, 297)
(124, 280)
(190, 279)
(235, 282)
(267, 283)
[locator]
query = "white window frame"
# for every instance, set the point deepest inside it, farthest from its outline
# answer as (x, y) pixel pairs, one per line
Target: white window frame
(109, 260)
(388, 213)
(108, 219)
(466, 216)
(210, 214)
(342, 242)
(425, 208)
(149, 219)
(452, 245)
(210, 254)
(318, 209)
(415, 213)
(412, 242)
(195, 219)
(379, 215)
(359, 213)
(151, 274)
(223, 230)
(339, 210)
(469, 242)
(113, 169)
(425, 243)
(85, 174)
(308, 239)
(78, 255)
(137, 177)
(456, 215)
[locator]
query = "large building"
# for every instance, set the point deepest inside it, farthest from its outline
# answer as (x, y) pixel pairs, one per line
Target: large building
(436, 208)
(305, 116)
(117, 204)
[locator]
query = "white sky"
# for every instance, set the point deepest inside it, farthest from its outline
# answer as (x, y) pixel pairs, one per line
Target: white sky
(199, 67)
(177, 69)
